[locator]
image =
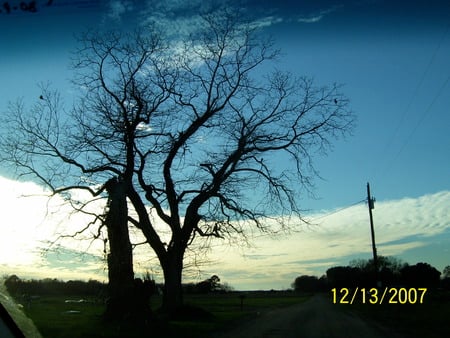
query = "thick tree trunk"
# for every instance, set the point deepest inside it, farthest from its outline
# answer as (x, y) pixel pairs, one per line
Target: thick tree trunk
(173, 292)
(121, 291)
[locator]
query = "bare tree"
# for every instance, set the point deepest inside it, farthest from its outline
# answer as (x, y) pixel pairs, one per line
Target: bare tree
(92, 146)
(192, 130)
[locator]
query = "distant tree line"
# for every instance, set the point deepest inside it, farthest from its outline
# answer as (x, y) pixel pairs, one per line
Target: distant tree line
(52, 286)
(391, 272)
(49, 286)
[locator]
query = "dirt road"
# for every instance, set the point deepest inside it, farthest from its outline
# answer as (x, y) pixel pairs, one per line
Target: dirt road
(315, 318)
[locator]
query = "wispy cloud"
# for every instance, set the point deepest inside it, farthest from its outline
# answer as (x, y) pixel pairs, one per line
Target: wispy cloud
(118, 8)
(401, 226)
(266, 21)
(176, 17)
(318, 16)
(181, 18)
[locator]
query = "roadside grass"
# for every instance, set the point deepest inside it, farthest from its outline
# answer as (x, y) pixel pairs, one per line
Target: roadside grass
(227, 312)
(429, 319)
(56, 318)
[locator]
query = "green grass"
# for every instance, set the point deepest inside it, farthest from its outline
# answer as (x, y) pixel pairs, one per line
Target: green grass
(50, 315)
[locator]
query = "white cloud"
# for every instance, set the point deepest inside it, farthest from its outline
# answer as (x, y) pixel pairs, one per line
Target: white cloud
(266, 22)
(400, 225)
(117, 9)
(30, 220)
(178, 18)
(316, 17)
(311, 19)
(143, 127)
(181, 18)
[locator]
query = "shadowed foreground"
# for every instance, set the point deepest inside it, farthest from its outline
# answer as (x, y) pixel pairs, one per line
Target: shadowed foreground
(316, 318)
(23, 322)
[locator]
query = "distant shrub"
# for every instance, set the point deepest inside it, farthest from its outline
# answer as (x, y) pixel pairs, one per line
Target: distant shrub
(208, 285)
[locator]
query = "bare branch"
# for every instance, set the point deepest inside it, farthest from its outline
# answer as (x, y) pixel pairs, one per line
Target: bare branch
(191, 131)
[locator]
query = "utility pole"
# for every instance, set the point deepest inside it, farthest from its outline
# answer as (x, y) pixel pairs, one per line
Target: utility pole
(371, 203)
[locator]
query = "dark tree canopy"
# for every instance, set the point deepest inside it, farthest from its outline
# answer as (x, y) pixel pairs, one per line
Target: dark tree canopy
(446, 272)
(392, 272)
(420, 275)
(305, 283)
(192, 131)
(344, 276)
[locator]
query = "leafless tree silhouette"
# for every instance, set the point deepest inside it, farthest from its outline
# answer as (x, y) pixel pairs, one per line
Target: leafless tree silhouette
(191, 130)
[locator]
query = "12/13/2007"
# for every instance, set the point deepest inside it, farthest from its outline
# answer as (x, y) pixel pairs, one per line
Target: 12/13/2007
(379, 296)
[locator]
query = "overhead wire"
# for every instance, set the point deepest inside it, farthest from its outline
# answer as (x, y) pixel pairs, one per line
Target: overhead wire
(313, 220)
(410, 102)
(339, 210)
(422, 119)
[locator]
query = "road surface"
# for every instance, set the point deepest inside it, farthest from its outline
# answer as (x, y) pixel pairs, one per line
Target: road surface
(318, 317)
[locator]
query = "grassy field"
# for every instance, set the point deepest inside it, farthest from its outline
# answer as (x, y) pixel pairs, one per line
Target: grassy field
(429, 319)
(56, 318)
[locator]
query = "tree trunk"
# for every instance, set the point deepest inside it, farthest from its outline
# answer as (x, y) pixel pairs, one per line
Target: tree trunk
(172, 292)
(120, 303)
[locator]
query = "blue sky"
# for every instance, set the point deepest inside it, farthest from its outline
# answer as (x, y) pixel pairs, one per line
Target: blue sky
(392, 58)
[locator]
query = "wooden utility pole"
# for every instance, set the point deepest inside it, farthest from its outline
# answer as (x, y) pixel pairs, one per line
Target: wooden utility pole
(371, 203)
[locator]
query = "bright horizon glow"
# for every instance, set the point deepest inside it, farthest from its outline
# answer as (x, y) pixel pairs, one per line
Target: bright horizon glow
(390, 56)
(403, 227)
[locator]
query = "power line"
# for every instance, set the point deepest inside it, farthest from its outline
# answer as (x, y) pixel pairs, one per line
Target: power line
(339, 210)
(408, 106)
(424, 116)
(262, 235)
